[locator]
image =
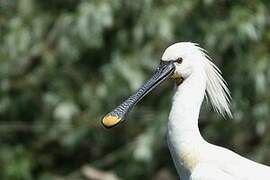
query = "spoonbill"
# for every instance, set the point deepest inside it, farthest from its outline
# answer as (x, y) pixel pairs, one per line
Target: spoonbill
(196, 76)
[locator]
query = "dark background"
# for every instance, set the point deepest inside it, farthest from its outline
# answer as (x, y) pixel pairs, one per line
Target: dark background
(66, 63)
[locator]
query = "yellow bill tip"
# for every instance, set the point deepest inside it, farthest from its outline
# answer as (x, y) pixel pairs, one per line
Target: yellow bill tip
(110, 121)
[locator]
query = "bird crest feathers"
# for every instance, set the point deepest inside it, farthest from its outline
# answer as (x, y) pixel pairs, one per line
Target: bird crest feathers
(216, 87)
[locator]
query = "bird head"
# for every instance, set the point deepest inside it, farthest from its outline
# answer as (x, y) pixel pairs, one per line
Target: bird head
(186, 57)
(178, 61)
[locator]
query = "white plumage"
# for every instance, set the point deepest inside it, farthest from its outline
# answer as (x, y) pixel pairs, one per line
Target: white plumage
(194, 158)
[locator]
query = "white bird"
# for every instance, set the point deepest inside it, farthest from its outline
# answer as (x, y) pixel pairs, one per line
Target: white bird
(196, 77)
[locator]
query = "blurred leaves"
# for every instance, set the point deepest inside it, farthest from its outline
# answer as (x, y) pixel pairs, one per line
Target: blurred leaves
(64, 64)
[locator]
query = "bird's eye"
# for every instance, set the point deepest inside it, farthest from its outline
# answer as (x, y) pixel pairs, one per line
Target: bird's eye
(179, 60)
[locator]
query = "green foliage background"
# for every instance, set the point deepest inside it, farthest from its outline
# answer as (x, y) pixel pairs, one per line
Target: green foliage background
(66, 63)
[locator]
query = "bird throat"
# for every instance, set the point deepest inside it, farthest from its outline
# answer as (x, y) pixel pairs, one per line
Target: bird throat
(177, 78)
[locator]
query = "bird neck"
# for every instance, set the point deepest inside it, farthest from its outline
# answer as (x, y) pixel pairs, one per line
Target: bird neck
(183, 130)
